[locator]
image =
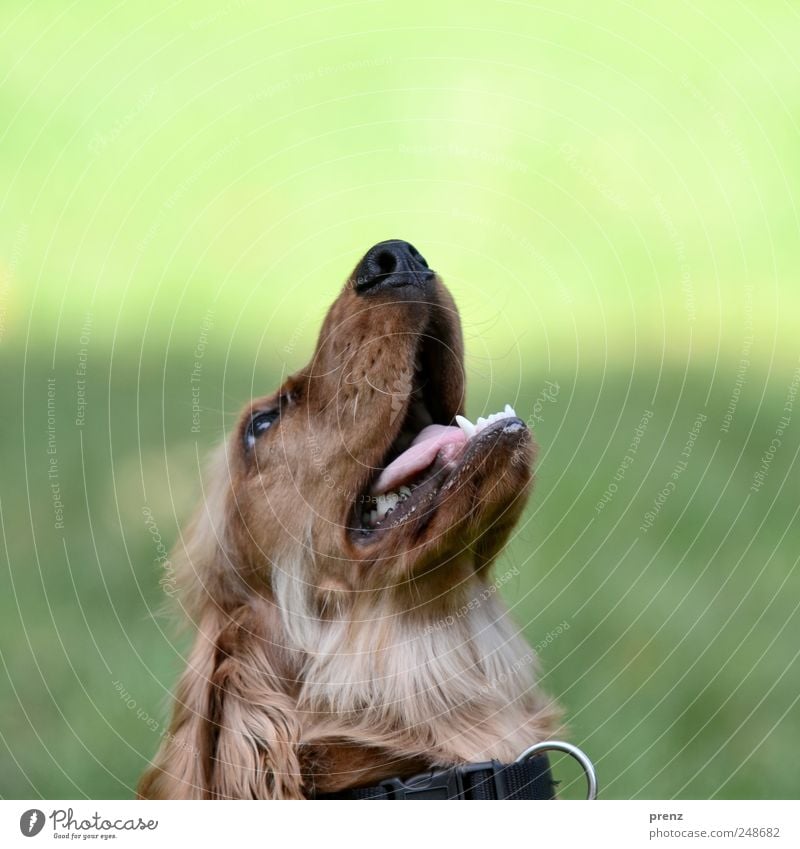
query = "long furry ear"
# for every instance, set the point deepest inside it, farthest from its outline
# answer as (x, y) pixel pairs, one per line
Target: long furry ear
(180, 769)
(233, 732)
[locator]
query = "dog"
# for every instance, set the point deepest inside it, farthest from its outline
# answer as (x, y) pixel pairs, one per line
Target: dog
(338, 571)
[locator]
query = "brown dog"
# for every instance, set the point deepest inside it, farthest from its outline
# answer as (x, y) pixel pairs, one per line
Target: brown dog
(338, 570)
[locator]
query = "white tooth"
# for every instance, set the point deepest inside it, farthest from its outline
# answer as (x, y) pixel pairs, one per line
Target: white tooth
(480, 424)
(373, 517)
(385, 503)
(466, 425)
(405, 491)
(510, 411)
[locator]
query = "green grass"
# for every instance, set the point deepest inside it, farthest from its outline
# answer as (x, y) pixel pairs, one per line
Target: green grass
(610, 192)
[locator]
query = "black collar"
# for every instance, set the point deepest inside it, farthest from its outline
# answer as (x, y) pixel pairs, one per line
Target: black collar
(528, 779)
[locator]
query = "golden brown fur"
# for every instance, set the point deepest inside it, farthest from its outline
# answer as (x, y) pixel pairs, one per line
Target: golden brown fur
(325, 658)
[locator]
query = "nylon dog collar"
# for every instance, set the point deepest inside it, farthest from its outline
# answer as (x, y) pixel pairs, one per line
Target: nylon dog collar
(529, 777)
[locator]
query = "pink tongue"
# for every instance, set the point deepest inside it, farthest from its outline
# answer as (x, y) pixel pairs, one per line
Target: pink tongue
(420, 455)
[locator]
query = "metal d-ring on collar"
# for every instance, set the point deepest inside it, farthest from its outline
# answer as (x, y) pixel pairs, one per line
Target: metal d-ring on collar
(580, 756)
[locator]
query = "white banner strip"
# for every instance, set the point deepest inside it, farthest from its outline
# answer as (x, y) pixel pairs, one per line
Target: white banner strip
(385, 825)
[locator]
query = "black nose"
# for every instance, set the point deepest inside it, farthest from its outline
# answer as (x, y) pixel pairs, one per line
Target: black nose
(390, 265)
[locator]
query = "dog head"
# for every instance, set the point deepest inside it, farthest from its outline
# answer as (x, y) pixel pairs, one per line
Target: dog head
(361, 465)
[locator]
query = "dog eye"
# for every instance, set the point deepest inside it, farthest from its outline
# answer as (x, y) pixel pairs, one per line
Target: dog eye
(258, 425)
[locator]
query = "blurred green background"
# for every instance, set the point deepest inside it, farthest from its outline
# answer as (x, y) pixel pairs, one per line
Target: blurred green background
(611, 193)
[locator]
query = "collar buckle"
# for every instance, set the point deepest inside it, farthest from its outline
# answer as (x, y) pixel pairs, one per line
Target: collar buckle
(445, 783)
(435, 784)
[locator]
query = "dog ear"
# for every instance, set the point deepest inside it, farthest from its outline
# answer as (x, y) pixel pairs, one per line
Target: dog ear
(234, 733)
(180, 769)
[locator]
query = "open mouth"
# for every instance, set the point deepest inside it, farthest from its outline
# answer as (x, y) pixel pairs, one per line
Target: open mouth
(424, 459)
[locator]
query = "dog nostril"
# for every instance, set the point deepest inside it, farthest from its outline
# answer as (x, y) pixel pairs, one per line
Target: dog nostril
(386, 262)
(393, 264)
